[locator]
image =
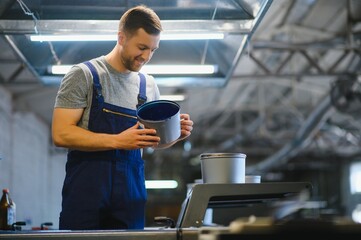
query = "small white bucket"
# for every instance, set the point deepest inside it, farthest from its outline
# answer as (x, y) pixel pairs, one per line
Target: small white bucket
(223, 167)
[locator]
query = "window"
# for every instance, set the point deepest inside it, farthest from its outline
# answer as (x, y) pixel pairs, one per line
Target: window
(355, 178)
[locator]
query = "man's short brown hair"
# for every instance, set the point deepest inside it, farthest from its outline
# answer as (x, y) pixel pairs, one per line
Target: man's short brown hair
(140, 17)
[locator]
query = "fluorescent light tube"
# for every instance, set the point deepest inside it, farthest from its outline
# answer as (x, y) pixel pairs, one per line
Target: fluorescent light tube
(161, 184)
(179, 69)
(155, 69)
(59, 69)
(72, 38)
(175, 97)
(113, 37)
(191, 36)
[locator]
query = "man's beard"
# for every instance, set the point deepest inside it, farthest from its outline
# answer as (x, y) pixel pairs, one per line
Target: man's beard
(130, 64)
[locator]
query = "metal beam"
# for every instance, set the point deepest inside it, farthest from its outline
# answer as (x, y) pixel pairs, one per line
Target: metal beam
(111, 26)
(21, 57)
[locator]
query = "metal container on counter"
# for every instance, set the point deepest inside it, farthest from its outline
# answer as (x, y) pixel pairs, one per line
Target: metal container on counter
(223, 167)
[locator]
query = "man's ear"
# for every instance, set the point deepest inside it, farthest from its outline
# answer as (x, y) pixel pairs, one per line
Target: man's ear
(121, 38)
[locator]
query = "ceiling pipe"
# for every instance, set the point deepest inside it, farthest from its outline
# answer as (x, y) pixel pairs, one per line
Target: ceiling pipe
(22, 58)
(302, 138)
(354, 8)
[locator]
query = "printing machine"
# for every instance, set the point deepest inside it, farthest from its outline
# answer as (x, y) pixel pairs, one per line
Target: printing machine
(225, 211)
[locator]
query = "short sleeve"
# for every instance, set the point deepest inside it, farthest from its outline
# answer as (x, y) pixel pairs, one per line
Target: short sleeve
(74, 90)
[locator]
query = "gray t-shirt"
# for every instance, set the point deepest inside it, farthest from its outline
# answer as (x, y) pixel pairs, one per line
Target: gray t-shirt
(120, 89)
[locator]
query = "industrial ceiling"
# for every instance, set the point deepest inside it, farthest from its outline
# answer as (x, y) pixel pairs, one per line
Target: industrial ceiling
(288, 85)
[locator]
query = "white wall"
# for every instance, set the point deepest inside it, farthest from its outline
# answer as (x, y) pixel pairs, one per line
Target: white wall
(33, 174)
(5, 138)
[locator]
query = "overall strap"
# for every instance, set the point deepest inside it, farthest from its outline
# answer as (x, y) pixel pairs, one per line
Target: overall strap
(142, 97)
(96, 83)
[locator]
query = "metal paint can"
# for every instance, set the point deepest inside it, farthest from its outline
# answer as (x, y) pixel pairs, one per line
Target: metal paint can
(164, 117)
(223, 167)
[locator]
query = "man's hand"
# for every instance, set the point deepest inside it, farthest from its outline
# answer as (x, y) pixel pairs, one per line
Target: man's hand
(66, 133)
(186, 126)
(135, 137)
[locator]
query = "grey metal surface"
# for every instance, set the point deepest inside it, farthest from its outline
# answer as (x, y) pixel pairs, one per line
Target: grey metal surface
(198, 200)
(149, 234)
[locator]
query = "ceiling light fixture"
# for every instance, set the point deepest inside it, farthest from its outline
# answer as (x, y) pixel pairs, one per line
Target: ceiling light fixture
(161, 184)
(179, 69)
(113, 37)
(175, 97)
(154, 69)
(192, 36)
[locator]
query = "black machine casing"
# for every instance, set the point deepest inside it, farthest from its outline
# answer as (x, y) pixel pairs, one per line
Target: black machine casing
(237, 198)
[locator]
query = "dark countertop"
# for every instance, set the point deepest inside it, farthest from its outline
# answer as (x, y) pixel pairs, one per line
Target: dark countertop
(293, 229)
(151, 234)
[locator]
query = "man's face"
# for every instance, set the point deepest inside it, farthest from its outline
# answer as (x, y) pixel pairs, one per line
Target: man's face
(138, 49)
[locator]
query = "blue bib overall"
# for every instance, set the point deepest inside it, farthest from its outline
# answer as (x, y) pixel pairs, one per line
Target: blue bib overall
(105, 189)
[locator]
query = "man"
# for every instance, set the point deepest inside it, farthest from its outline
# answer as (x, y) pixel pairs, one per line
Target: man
(95, 118)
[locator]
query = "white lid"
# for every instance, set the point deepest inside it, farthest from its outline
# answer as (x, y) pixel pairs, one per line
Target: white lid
(222, 155)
